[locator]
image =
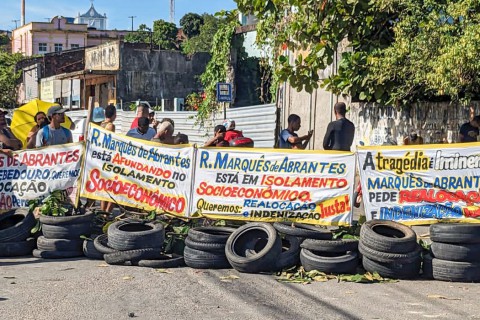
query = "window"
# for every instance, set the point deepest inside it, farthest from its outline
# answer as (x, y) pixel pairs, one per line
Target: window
(74, 46)
(42, 47)
(58, 47)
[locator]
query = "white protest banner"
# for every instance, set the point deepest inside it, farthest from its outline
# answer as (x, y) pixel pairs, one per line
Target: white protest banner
(420, 184)
(274, 185)
(137, 173)
(31, 174)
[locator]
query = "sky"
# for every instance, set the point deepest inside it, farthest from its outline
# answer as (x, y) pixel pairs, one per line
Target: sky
(118, 11)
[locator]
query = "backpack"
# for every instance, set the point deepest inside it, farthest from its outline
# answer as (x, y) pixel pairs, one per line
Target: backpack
(46, 134)
(242, 142)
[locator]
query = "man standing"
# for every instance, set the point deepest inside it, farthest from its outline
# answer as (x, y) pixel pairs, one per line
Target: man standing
(469, 130)
(289, 139)
(7, 138)
(339, 135)
(54, 133)
(142, 112)
(142, 131)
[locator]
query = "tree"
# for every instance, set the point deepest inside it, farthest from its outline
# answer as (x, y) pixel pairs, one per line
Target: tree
(142, 35)
(398, 51)
(165, 34)
(203, 41)
(8, 77)
(191, 23)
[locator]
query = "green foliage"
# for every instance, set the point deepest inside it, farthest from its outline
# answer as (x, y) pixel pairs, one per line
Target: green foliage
(53, 204)
(216, 70)
(191, 23)
(165, 34)
(203, 41)
(142, 35)
(305, 277)
(392, 51)
(8, 77)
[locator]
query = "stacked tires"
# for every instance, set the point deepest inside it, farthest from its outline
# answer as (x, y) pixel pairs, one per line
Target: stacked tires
(205, 248)
(62, 236)
(15, 236)
(318, 250)
(454, 253)
(133, 242)
(390, 248)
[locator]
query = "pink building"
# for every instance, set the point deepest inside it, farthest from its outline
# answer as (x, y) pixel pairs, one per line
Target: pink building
(59, 35)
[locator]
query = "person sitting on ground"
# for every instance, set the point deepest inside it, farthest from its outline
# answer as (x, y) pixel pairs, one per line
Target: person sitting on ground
(41, 121)
(469, 131)
(54, 133)
(142, 131)
(413, 138)
(231, 133)
(142, 112)
(164, 133)
(218, 139)
(289, 139)
(180, 138)
(7, 138)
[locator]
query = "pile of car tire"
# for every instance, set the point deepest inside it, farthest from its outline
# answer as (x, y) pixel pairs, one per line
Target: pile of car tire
(62, 236)
(135, 242)
(318, 250)
(15, 233)
(390, 249)
(205, 248)
(454, 252)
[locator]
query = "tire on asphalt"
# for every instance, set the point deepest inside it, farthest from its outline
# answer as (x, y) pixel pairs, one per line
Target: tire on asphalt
(56, 254)
(210, 234)
(290, 255)
(455, 232)
(388, 257)
(462, 252)
(393, 270)
(445, 270)
(132, 235)
(388, 236)
(90, 251)
(205, 246)
(265, 242)
(120, 257)
(67, 231)
(64, 220)
(46, 244)
(198, 259)
(101, 244)
(166, 261)
(302, 230)
(329, 262)
(339, 245)
(16, 225)
(17, 249)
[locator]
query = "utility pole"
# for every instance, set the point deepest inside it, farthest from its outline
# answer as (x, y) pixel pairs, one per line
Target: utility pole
(16, 25)
(132, 17)
(172, 11)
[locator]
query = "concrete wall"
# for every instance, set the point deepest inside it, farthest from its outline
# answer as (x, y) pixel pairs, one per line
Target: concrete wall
(151, 74)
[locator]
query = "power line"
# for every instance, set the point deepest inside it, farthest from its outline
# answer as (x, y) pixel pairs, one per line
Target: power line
(132, 17)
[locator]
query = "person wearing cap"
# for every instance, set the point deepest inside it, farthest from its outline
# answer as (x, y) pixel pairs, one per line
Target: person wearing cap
(98, 115)
(54, 133)
(41, 121)
(413, 138)
(231, 133)
(142, 131)
(340, 133)
(8, 140)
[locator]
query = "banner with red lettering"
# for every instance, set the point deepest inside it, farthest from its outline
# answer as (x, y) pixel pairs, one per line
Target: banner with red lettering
(137, 173)
(274, 185)
(31, 174)
(421, 184)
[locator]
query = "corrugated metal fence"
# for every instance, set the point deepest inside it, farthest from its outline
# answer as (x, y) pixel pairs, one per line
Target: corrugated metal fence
(256, 122)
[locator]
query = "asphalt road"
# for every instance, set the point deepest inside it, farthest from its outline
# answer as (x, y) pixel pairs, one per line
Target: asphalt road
(37, 289)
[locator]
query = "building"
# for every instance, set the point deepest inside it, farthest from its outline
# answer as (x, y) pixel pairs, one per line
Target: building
(92, 19)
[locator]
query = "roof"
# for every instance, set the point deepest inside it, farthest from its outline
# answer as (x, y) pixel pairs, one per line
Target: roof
(92, 13)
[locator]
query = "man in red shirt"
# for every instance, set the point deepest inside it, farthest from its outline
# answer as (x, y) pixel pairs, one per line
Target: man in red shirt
(231, 133)
(142, 111)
